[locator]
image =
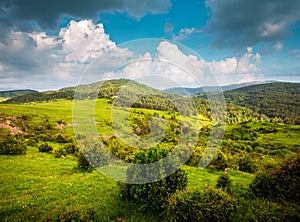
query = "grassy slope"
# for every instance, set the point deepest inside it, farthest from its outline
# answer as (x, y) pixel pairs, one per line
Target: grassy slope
(37, 186)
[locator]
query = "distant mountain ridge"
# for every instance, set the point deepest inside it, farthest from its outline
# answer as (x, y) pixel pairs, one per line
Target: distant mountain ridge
(190, 91)
(14, 93)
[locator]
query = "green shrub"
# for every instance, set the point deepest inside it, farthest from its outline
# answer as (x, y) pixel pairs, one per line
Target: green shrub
(66, 149)
(44, 137)
(152, 196)
(196, 156)
(63, 139)
(82, 162)
(209, 204)
(32, 142)
(280, 182)
(45, 147)
(246, 164)
(92, 154)
(60, 152)
(13, 145)
(264, 210)
(71, 148)
(224, 182)
(219, 162)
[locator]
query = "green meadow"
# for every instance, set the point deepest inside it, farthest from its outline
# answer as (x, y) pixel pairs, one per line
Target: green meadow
(40, 186)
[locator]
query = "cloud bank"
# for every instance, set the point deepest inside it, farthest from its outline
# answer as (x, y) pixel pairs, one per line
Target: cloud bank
(243, 23)
(37, 60)
(46, 13)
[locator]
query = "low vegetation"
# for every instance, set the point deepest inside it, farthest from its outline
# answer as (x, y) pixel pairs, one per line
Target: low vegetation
(45, 176)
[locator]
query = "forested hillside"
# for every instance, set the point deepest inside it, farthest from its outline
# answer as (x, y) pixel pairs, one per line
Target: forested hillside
(128, 93)
(14, 93)
(280, 100)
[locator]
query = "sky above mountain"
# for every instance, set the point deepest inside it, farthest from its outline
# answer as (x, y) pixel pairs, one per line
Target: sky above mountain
(52, 44)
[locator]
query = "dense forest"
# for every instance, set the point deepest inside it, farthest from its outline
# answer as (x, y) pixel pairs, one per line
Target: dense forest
(275, 100)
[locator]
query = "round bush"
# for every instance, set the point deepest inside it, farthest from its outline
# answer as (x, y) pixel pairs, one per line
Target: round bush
(209, 204)
(280, 182)
(152, 196)
(45, 147)
(92, 154)
(13, 145)
(246, 164)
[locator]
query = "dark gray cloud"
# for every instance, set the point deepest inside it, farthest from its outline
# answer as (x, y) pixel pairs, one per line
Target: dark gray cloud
(242, 23)
(47, 12)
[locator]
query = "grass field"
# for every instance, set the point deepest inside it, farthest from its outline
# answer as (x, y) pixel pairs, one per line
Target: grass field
(39, 187)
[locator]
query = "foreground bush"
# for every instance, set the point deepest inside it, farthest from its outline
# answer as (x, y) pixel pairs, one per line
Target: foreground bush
(152, 196)
(224, 182)
(67, 149)
(92, 154)
(13, 145)
(279, 183)
(219, 162)
(264, 210)
(246, 164)
(209, 204)
(45, 147)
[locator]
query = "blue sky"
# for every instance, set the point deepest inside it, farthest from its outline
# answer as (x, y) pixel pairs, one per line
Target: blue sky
(48, 44)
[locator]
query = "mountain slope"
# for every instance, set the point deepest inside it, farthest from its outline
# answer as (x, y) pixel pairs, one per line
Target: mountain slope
(107, 90)
(14, 93)
(274, 99)
(121, 92)
(190, 91)
(128, 93)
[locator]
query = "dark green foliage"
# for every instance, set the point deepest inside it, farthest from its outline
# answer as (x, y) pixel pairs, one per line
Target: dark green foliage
(120, 149)
(247, 164)
(44, 137)
(196, 156)
(66, 149)
(60, 152)
(45, 147)
(82, 162)
(13, 145)
(280, 182)
(224, 182)
(14, 93)
(62, 139)
(92, 153)
(219, 162)
(152, 196)
(32, 142)
(71, 148)
(209, 204)
(265, 210)
(273, 99)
